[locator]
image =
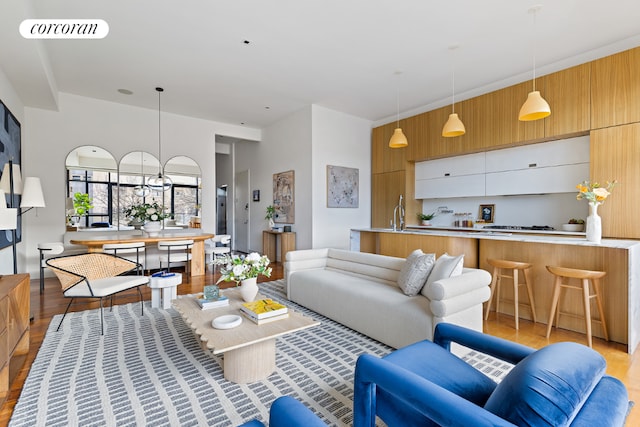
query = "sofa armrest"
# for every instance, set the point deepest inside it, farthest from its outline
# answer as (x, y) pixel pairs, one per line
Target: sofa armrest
(304, 259)
(434, 402)
(470, 280)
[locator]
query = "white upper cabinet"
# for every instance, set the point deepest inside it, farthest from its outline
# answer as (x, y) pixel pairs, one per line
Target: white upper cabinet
(550, 167)
(460, 176)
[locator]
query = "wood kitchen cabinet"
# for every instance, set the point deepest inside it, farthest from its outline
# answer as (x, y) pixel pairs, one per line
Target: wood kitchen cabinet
(383, 158)
(615, 155)
(386, 189)
(568, 94)
(615, 89)
(14, 328)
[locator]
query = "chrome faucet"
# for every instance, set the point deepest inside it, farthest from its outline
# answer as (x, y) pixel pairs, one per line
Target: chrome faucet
(398, 212)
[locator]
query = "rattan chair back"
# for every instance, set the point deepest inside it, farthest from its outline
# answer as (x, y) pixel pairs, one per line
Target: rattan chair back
(74, 269)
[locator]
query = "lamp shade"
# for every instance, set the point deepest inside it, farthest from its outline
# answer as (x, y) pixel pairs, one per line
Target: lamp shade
(32, 196)
(8, 217)
(398, 140)
(5, 183)
(453, 127)
(534, 108)
(159, 183)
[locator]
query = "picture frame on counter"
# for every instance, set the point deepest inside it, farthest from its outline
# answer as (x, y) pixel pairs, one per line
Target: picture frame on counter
(486, 213)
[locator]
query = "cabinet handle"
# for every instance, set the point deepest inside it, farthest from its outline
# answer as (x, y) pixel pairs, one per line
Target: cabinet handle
(533, 165)
(447, 174)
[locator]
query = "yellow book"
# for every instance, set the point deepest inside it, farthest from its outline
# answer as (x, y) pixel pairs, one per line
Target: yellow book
(263, 308)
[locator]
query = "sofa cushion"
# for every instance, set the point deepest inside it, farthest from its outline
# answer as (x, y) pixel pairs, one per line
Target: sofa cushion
(413, 274)
(446, 266)
(549, 386)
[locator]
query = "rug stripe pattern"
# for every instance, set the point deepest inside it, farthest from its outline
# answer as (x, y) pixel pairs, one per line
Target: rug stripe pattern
(151, 370)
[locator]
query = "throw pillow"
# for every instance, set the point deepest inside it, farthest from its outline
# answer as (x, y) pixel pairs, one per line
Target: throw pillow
(446, 266)
(415, 271)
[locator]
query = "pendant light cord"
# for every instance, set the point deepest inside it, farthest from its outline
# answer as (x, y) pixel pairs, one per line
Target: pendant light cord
(535, 12)
(160, 90)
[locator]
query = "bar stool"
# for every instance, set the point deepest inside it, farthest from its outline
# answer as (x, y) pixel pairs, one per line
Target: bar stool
(563, 275)
(131, 251)
(515, 266)
(177, 251)
(46, 251)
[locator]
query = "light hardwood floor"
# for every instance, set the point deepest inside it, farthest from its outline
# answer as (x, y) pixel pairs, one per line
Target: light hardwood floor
(44, 307)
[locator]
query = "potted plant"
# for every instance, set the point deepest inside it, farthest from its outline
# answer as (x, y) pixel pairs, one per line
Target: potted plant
(271, 212)
(81, 206)
(244, 270)
(145, 213)
(426, 218)
(574, 225)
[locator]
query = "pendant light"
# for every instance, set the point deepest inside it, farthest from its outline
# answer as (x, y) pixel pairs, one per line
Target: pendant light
(398, 140)
(535, 107)
(161, 182)
(454, 126)
(142, 190)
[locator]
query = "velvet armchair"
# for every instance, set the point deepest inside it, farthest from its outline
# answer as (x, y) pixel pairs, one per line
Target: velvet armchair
(288, 412)
(563, 384)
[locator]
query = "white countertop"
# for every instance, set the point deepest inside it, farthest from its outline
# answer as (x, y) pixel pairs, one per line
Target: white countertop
(550, 237)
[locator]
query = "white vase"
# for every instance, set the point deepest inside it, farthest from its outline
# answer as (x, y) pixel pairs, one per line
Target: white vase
(249, 289)
(594, 224)
(153, 228)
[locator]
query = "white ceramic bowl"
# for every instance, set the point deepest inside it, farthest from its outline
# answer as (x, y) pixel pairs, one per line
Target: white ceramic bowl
(227, 321)
(572, 227)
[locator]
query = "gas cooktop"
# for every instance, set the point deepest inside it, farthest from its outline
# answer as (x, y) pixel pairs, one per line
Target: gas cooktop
(519, 227)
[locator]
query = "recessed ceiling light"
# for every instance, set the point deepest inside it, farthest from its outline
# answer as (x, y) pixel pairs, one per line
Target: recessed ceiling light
(125, 91)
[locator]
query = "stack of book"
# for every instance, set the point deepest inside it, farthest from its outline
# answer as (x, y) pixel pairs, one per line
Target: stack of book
(264, 311)
(206, 304)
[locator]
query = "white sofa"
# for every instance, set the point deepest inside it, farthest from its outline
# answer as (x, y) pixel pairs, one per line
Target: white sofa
(360, 290)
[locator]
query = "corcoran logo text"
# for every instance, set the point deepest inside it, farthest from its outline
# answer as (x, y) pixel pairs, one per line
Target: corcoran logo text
(64, 29)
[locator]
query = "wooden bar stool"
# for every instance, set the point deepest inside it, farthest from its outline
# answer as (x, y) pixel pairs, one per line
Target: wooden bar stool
(563, 275)
(499, 265)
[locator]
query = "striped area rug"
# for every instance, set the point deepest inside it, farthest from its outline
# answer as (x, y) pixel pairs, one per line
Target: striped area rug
(150, 370)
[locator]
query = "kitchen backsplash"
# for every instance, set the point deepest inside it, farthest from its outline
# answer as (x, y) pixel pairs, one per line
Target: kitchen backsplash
(543, 209)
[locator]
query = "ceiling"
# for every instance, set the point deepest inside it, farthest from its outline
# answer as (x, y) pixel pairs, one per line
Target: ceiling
(342, 55)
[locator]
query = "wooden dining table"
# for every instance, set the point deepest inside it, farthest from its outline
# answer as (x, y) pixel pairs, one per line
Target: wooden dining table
(95, 241)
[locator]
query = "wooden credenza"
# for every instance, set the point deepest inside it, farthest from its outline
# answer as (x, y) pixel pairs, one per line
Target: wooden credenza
(14, 328)
(270, 244)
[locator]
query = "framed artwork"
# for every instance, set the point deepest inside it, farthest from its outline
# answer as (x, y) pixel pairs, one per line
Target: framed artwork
(342, 187)
(487, 212)
(283, 197)
(256, 195)
(10, 150)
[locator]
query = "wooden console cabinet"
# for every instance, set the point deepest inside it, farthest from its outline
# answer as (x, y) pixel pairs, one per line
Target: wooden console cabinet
(270, 244)
(14, 328)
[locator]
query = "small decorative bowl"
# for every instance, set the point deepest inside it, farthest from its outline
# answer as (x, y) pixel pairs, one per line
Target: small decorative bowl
(572, 227)
(227, 321)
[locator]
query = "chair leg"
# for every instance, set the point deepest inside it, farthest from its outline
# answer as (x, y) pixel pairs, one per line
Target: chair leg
(492, 287)
(101, 318)
(554, 304)
(41, 274)
(516, 298)
(141, 301)
(65, 313)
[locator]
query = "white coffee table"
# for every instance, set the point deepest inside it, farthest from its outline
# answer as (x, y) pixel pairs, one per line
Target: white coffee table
(249, 349)
(164, 290)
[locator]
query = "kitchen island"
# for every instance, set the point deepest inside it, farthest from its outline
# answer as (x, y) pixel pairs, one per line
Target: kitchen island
(619, 258)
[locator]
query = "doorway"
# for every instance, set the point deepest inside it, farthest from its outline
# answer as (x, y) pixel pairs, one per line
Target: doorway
(221, 210)
(242, 212)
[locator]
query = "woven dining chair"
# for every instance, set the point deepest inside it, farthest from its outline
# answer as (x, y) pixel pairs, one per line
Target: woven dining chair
(95, 275)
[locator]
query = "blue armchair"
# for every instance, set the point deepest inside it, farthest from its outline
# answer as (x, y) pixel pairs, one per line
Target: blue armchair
(288, 412)
(563, 384)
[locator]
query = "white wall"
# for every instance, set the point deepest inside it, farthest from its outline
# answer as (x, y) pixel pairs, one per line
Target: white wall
(339, 140)
(120, 129)
(11, 100)
(286, 145)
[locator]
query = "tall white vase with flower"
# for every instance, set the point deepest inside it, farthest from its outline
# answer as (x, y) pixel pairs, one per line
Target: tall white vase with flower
(595, 195)
(244, 270)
